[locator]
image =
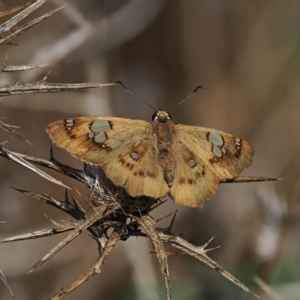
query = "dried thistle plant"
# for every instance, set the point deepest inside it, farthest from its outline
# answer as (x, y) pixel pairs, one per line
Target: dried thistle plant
(114, 216)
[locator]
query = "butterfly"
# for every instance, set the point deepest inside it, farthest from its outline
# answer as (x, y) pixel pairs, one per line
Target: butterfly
(155, 159)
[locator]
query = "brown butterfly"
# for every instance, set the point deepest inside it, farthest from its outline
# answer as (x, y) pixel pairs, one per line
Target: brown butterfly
(158, 158)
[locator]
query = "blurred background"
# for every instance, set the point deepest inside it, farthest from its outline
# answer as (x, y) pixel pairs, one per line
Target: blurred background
(246, 56)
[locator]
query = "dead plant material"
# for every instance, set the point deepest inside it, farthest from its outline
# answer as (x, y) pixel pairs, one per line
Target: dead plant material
(112, 209)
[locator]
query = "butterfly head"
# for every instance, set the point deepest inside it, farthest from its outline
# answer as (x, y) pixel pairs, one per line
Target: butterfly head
(161, 116)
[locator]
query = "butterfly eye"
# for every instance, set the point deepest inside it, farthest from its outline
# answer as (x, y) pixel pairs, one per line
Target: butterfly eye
(154, 116)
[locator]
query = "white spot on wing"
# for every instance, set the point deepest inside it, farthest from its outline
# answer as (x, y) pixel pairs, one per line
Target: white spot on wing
(100, 126)
(192, 163)
(215, 138)
(100, 138)
(217, 151)
(237, 141)
(134, 155)
(69, 124)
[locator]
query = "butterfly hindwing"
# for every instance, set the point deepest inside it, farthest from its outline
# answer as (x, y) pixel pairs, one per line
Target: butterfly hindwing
(193, 181)
(138, 171)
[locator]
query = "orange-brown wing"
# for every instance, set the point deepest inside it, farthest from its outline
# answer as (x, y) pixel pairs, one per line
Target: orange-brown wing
(206, 157)
(122, 147)
(193, 180)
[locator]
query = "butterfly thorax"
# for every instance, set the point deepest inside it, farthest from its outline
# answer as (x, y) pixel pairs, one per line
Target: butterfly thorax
(164, 128)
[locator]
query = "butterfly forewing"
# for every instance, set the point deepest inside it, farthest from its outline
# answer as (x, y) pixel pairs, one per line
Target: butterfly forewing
(221, 152)
(96, 140)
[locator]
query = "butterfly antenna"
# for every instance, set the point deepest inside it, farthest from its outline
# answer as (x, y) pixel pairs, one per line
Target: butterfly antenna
(124, 87)
(192, 94)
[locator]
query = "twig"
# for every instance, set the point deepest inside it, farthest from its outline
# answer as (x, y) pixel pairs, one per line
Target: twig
(200, 254)
(81, 225)
(8, 129)
(12, 10)
(3, 279)
(93, 270)
(149, 227)
(19, 160)
(12, 33)
(45, 87)
(21, 68)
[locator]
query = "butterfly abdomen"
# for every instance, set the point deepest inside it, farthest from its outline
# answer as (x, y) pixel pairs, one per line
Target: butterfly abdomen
(166, 134)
